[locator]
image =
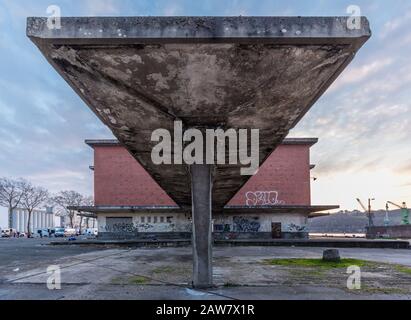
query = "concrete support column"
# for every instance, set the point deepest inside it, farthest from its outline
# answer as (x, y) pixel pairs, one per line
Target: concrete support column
(26, 218)
(31, 224)
(16, 220)
(21, 220)
(201, 187)
(35, 221)
(41, 219)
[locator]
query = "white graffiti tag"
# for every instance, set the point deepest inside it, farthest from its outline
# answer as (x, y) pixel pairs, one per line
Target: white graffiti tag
(262, 198)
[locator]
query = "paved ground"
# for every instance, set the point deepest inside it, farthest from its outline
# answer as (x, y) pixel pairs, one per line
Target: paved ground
(165, 273)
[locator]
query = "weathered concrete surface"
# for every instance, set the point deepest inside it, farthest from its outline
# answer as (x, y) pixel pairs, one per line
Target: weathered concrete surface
(240, 273)
(139, 74)
(244, 240)
(201, 186)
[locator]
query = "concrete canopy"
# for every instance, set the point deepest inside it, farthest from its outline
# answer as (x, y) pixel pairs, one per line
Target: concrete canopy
(139, 74)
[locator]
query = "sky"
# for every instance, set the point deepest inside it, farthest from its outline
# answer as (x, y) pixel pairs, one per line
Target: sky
(363, 121)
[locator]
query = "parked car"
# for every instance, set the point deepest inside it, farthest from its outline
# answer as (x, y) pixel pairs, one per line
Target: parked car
(68, 232)
(44, 232)
(59, 232)
(91, 232)
(7, 233)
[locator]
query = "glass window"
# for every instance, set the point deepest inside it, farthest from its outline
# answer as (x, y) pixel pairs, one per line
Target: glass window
(162, 219)
(149, 219)
(143, 219)
(155, 219)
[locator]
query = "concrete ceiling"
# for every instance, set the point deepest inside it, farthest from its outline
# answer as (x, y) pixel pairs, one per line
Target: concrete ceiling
(139, 74)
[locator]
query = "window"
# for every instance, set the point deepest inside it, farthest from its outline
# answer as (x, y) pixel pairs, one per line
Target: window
(169, 219)
(162, 219)
(143, 219)
(148, 219)
(155, 219)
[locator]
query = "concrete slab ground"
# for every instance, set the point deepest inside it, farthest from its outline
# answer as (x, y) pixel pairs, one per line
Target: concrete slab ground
(165, 273)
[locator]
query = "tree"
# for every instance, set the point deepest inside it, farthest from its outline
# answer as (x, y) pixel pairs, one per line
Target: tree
(65, 200)
(87, 201)
(33, 197)
(11, 195)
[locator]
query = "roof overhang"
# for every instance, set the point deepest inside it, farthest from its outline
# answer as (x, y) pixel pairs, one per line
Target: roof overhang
(139, 74)
(289, 209)
(114, 142)
(312, 211)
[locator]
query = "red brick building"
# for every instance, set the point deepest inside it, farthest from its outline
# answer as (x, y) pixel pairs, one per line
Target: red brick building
(275, 202)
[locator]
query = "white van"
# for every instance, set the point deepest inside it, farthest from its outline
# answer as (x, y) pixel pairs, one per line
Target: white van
(70, 232)
(7, 233)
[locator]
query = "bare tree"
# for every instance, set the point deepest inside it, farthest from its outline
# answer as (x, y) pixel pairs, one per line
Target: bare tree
(11, 195)
(65, 199)
(33, 197)
(87, 201)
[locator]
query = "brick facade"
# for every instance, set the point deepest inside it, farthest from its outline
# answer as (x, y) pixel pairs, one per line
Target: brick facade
(119, 180)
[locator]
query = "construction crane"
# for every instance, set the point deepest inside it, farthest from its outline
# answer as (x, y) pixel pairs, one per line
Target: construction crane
(387, 218)
(368, 211)
(405, 212)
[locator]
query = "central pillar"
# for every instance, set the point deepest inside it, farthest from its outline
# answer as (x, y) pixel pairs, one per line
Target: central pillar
(201, 187)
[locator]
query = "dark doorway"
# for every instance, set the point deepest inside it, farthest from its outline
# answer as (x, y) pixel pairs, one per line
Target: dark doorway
(276, 230)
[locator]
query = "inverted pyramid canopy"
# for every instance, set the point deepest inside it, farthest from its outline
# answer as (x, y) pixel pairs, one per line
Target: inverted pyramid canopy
(139, 74)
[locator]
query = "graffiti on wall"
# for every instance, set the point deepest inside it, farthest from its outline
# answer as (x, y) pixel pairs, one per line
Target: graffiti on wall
(296, 228)
(130, 228)
(121, 227)
(262, 198)
(246, 224)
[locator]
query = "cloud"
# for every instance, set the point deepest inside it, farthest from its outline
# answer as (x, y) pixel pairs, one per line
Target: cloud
(101, 7)
(63, 179)
(363, 121)
(357, 74)
(172, 9)
(395, 24)
(405, 169)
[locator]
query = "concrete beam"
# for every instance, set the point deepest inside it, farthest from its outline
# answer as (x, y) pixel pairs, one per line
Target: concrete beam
(201, 186)
(284, 30)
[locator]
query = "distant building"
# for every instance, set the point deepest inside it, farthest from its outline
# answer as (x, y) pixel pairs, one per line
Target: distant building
(86, 221)
(40, 219)
(276, 202)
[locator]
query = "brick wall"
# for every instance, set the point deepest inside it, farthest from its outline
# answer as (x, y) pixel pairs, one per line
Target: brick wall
(284, 178)
(120, 180)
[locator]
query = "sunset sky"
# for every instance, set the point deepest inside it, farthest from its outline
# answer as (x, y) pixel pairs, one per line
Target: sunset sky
(363, 121)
